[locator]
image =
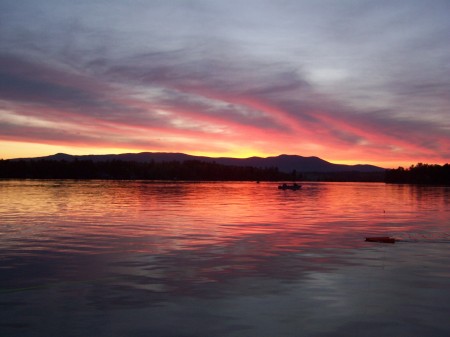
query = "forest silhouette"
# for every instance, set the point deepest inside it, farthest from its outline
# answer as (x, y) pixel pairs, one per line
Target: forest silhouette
(196, 170)
(119, 169)
(420, 174)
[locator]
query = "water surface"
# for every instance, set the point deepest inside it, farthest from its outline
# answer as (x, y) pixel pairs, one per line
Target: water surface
(140, 258)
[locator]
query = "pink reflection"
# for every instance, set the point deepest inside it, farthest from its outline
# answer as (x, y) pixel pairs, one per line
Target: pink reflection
(247, 218)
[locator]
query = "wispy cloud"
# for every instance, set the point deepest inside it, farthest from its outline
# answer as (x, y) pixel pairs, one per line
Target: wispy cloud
(341, 80)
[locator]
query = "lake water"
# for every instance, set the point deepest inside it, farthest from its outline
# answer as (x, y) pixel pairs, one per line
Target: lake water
(139, 258)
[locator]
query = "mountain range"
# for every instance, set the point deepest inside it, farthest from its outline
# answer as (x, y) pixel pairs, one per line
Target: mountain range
(284, 163)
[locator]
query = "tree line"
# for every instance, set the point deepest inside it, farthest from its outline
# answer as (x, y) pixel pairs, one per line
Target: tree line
(119, 169)
(420, 174)
(194, 170)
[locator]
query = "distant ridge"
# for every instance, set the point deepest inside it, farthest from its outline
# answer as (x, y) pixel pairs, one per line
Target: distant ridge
(284, 163)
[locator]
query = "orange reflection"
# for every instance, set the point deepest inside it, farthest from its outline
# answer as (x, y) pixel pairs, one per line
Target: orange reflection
(208, 232)
(253, 219)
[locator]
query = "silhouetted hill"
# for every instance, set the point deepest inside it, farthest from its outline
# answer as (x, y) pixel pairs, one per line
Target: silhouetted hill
(284, 163)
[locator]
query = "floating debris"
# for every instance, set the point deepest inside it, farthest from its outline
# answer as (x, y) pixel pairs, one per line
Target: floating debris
(382, 239)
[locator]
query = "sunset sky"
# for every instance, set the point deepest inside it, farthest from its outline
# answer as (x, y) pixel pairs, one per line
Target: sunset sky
(348, 81)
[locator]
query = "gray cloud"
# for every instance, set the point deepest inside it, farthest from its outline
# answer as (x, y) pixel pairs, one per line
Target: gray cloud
(14, 87)
(276, 66)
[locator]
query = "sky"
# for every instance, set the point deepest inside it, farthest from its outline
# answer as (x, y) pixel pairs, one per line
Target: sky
(349, 81)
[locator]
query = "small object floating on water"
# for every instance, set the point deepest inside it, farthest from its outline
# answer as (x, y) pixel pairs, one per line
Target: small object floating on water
(289, 187)
(382, 239)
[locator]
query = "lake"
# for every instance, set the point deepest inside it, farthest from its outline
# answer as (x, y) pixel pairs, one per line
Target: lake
(144, 258)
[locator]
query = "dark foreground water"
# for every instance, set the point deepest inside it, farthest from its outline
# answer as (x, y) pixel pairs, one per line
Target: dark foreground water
(126, 258)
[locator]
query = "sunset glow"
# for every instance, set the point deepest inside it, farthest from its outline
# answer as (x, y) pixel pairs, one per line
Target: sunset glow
(349, 82)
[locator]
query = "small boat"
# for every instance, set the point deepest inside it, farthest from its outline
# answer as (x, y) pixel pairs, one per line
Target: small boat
(293, 187)
(382, 239)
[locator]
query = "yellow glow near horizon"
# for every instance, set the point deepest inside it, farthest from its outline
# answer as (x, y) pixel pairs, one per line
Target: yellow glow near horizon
(234, 153)
(11, 149)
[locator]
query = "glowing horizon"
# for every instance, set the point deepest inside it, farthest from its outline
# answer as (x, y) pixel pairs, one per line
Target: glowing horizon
(351, 83)
(27, 150)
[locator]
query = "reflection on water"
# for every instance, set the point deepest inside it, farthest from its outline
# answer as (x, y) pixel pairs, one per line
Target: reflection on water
(127, 258)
